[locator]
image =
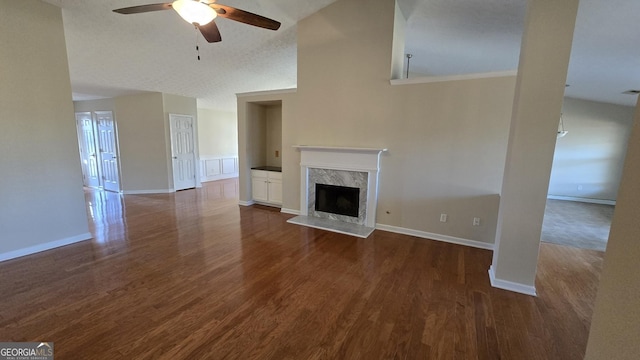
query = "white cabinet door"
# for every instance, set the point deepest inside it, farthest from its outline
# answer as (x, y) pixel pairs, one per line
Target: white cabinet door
(275, 191)
(260, 189)
(267, 186)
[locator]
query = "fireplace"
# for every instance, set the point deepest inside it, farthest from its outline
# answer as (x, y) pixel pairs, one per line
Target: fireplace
(339, 200)
(341, 178)
(353, 172)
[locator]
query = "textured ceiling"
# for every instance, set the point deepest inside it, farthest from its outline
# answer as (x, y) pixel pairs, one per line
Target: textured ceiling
(111, 54)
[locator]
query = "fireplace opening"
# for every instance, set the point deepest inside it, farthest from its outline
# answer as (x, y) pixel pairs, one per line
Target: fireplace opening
(341, 200)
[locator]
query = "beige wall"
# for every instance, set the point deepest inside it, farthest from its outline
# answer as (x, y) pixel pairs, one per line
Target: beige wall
(446, 155)
(217, 133)
(94, 105)
(273, 133)
(615, 328)
(446, 140)
(144, 136)
(257, 138)
(588, 161)
(41, 181)
(144, 154)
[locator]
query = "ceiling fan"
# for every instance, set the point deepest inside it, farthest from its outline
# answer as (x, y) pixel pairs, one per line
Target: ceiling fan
(201, 15)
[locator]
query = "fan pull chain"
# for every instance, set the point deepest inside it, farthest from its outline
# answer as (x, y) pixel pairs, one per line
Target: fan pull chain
(197, 47)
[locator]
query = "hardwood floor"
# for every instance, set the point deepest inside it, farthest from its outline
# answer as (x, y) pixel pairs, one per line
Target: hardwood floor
(192, 275)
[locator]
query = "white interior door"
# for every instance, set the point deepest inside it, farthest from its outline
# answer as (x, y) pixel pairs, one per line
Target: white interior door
(108, 151)
(88, 149)
(183, 152)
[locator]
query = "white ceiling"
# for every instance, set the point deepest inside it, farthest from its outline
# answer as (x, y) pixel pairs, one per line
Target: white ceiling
(111, 54)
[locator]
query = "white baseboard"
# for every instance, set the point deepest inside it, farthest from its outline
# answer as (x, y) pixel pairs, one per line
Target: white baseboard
(218, 177)
(584, 200)
(510, 285)
(142, 192)
(290, 211)
(255, 202)
(432, 236)
(43, 247)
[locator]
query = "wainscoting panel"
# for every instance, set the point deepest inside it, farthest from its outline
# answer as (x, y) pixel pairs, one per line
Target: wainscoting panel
(218, 168)
(230, 166)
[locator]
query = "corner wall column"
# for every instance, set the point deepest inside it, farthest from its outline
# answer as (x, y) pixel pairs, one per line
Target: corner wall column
(615, 328)
(542, 72)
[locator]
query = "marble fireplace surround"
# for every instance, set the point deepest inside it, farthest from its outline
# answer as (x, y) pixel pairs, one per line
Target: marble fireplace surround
(344, 166)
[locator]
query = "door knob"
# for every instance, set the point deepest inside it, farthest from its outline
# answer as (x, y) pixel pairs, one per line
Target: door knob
(175, 157)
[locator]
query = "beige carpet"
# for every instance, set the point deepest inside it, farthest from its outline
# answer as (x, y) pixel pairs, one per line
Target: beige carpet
(577, 224)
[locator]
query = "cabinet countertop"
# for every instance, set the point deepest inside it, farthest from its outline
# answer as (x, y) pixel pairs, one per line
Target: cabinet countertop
(268, 168)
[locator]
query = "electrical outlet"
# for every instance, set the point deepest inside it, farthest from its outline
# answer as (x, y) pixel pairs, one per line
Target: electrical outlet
(277, 153)
(579, 187)
(476, 221)
(443, 217)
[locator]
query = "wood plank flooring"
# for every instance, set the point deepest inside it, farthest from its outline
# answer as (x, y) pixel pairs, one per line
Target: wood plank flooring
(192, 275)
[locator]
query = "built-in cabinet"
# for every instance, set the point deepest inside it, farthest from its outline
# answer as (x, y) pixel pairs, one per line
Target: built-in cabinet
(264, 151)
(267, 186)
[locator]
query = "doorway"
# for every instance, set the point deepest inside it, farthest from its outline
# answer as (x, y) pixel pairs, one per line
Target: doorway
(97, 140)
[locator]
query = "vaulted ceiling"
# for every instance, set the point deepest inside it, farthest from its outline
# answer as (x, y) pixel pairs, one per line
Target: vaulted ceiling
(111, 54)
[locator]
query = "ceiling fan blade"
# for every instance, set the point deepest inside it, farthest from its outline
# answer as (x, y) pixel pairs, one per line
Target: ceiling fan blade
(245, 17)
(210, 32)
(143, 8)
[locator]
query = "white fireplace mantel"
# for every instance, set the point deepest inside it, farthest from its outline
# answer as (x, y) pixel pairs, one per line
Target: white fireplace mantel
(346, 159)
(340, 148)
(340, 158)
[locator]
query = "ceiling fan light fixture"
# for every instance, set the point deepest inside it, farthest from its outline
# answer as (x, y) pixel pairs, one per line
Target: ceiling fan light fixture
(194, 12)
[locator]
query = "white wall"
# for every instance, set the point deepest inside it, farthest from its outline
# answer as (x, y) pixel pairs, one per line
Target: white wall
(41, 198)
(217, 133)
(588, 161)
(218, 144)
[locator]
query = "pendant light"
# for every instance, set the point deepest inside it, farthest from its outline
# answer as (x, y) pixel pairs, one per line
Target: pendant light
(561, 131)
